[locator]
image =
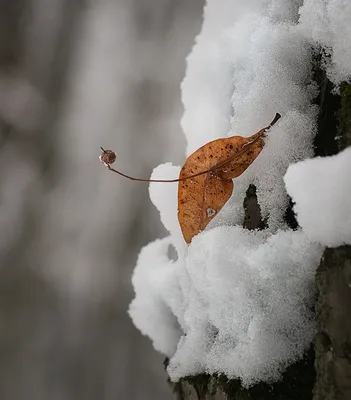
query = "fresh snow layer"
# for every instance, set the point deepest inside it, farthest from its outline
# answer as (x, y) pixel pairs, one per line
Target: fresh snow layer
(327, 23)
(234, 301)
(241, 300)
(321, 189)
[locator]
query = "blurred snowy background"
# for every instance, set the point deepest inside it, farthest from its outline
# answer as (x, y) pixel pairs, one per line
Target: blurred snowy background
(76, 75)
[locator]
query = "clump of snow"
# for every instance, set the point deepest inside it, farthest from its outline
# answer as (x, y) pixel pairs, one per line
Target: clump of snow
(243, 300)
(327, 24)
(155, 283)
(239, 302)
(321, 189)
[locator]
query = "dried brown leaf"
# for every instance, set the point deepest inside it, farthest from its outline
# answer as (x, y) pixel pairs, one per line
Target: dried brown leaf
(205, 181)
(201, 197)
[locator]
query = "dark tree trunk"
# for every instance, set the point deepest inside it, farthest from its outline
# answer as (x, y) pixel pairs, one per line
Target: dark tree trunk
(325, 371)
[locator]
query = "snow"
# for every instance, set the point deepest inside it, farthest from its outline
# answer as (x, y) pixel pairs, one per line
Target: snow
(240, 302)
(165, 199)
(321, 189)
(249, 62)
(156, 288)
(246, 309)
(327, 23)
(247, 306)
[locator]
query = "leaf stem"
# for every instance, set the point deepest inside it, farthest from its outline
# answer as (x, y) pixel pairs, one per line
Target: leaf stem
(220, 165)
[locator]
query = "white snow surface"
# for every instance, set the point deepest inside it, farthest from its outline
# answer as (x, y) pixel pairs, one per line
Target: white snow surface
(239, 303)
(235, 301)
(321, 189)
(327, 23)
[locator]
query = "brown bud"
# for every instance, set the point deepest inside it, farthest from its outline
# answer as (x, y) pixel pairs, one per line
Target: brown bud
(107, 157)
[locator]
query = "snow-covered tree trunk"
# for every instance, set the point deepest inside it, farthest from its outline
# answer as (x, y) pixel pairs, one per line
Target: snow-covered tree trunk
(242, 312)
(325, 371)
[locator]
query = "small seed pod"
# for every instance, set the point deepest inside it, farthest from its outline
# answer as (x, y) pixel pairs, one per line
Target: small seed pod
(107, 157)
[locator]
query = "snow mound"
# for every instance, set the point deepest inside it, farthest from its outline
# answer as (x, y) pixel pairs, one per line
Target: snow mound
(242, 299)
(155, 283)
(321, 189)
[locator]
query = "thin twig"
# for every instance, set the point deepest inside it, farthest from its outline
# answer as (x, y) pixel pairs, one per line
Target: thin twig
(210, 170)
